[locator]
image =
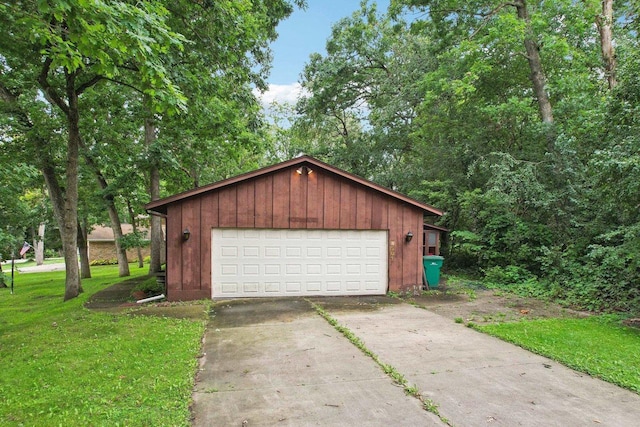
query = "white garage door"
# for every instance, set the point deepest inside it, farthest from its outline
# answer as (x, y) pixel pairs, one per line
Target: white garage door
(262, 262)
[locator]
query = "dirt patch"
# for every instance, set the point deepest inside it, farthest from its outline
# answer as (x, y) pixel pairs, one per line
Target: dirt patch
(632, 323)
(354, 303)
(192, 310)
(480, 305)
(114, 296)
(250, 311)
(117, 299)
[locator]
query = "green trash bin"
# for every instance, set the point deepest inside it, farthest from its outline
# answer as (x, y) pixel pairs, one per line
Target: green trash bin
(432, 265)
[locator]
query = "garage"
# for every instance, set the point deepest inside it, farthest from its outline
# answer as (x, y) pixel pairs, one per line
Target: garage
(297, 228)
(268, 262)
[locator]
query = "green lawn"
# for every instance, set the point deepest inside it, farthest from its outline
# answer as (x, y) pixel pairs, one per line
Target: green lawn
(65, 365)
(598, 345)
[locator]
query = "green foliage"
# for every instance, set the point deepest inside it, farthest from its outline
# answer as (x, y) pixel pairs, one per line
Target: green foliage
(92, 368)
(516, 280)
(150, 287)
(599, 346)
(134, 240)
(112, 261)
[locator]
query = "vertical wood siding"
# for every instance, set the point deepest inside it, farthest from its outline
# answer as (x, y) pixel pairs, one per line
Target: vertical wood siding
(315, 201)
(264, 202)
(286, 199)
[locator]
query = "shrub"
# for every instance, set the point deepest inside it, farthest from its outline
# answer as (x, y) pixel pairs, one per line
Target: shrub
(150, 287)
(111, 261)
(517, 280)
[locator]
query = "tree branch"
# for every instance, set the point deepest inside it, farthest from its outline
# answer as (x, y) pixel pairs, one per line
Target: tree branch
(124, 84)
(49, 92)
(86, 85)
(6, 95)
(493, 12)
(11, 101)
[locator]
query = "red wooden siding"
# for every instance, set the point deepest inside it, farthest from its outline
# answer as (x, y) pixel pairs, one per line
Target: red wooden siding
(174, 250)
(246, 198)
(315, 200)
(331, 203)
(286, 199)
(281, 195)
(264, 202)
(298, 200)
(208, 220)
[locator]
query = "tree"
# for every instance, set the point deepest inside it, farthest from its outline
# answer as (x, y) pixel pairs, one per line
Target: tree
(363, 96)
(604, 22)
(64, 49)
(228, 52)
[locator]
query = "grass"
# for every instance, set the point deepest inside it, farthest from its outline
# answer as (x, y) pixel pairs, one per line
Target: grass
(598, 346)
(65, 365)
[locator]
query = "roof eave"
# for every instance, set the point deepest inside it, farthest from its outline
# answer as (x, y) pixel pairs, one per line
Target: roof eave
(159, 207)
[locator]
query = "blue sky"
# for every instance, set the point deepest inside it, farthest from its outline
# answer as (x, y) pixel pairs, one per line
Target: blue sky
(303, 33)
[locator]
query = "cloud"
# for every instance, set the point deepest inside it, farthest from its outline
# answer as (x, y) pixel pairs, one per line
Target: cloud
(280, 93)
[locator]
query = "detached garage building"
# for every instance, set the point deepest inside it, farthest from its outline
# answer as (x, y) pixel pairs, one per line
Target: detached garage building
(301, 227)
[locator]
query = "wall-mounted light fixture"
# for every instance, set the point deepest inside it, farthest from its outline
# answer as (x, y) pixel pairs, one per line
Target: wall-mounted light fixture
(408, 237)
(186, 234)
(304, 170)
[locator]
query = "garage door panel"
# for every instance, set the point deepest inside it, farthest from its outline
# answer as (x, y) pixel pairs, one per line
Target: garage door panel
(251, 288)
(272, 252)
(272, 269)
(229, 269)
(229, 252)
(293, 252)
(314, 252)
(251, 251)
(314, 269)
(333, 286)
(371, 285)
(266, 262)
(314, 286)
(272, 287)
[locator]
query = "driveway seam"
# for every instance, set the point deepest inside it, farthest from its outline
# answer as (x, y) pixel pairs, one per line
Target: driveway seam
(398, 378)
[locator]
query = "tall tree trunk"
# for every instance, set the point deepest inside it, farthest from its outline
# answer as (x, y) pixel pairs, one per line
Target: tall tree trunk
(69, 226)
(134, 225)
(58, 202)
(83, 249)
(116, 225)
(121, 254)
(154, 192)
(38, 244)
(604, 21)
(537, 76)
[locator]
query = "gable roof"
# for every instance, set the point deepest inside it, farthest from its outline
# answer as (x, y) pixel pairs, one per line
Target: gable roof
(103, 232)
(160, 206)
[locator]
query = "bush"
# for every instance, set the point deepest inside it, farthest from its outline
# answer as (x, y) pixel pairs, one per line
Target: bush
(517, 280)
(111, 261)
(51, 253)
(505, 276)
(134, 240)
(150, 287)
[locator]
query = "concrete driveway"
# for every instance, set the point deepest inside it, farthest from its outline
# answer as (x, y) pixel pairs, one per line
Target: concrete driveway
(277, 362)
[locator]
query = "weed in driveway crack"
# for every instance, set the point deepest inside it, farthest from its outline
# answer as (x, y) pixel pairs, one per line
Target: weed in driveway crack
(391, 371)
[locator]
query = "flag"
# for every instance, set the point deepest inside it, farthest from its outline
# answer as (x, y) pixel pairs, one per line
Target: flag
(25, 248)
